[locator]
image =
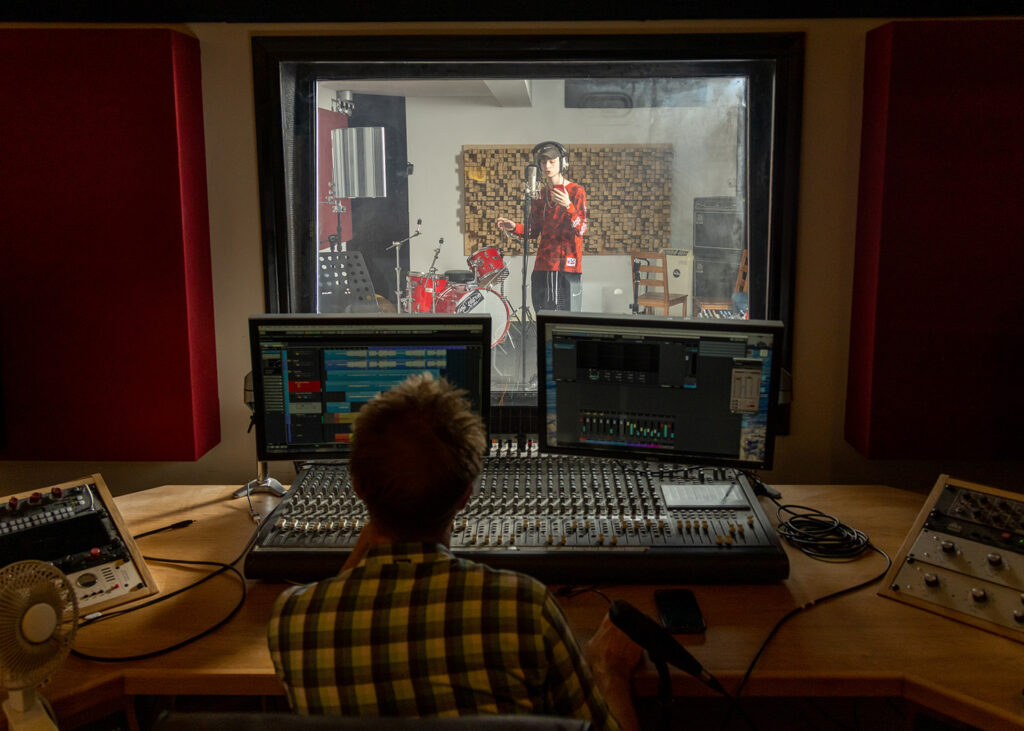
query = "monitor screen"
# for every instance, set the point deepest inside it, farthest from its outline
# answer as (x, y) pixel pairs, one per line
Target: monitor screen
(667, 388)
(312, 373)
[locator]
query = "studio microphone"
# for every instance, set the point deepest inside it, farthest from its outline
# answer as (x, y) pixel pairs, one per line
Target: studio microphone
(419, 224)
(532, 185)
(661, 646)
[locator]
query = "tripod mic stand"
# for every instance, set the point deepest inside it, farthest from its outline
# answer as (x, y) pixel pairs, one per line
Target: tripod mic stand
(397, 246)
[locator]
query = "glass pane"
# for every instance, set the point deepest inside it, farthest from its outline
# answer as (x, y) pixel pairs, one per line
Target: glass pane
(646, 165)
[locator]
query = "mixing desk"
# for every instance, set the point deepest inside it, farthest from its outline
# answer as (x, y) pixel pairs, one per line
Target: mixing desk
(561, 519)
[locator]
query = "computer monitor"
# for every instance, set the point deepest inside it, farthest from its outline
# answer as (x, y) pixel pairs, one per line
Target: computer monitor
(312, 373)
(697, 391)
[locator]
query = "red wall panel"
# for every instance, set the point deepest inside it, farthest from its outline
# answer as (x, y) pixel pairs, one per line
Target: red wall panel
(105, 282)
(936, 317)
(327, 120)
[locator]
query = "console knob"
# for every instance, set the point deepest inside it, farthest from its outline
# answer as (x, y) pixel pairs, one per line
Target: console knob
(1018, 616)
(995, 559)
(947, 546)
(931, 580)
(979, 595)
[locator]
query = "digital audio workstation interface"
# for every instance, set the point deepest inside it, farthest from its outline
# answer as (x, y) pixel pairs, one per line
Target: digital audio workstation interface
(314, 375)
(687, 391)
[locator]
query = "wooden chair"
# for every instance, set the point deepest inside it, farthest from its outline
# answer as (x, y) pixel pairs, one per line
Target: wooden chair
(651, 272)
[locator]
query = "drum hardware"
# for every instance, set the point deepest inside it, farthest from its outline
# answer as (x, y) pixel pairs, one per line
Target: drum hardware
(487, 265)
(461, 299)
(397, 246)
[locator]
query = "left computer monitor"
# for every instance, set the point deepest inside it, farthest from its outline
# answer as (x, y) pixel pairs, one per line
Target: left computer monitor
(312, 373)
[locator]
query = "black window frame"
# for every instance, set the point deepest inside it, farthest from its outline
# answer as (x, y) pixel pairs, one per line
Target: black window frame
(285, 70)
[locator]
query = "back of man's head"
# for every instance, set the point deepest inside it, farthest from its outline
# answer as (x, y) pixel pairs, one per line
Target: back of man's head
(416, 450)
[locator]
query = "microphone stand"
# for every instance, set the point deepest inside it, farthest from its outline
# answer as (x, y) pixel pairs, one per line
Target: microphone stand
(525, 313)
(431, 272)
(397, 246)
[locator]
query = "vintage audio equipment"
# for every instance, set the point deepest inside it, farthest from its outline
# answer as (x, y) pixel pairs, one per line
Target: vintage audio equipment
(560, 519)
(76, 527)
(964, 558)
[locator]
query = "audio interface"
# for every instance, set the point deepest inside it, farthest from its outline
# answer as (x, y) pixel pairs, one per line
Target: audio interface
(76, 527)
(964, 557)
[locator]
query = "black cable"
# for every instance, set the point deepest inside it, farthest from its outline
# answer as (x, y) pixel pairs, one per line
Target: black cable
(571, 590)
(221, 568)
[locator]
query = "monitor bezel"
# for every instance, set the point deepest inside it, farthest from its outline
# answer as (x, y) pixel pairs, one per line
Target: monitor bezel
(355, 319)
(546, 318)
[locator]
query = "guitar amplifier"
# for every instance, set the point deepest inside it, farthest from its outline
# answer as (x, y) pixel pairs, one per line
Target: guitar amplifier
(679, 264)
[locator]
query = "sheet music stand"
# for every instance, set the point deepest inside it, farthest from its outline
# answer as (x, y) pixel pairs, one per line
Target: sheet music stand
(343, 283)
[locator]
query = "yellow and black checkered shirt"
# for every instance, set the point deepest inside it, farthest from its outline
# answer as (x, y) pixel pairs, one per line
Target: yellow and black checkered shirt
(415, 631)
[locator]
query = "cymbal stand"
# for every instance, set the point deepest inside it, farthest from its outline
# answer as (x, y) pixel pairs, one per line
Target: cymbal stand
(431, 272)
(397, 246)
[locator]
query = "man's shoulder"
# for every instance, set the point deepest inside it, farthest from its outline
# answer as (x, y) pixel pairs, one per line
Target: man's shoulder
(506, 577)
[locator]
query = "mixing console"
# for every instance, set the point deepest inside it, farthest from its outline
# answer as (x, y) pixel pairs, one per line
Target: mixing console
(560, 519)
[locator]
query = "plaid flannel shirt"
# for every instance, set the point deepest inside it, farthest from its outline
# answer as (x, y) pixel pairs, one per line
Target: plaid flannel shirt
(414, 631)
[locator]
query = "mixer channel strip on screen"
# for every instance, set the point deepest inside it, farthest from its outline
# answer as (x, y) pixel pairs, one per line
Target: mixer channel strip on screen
(561, 519)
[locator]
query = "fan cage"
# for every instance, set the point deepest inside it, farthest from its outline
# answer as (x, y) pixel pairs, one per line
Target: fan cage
(24, 664)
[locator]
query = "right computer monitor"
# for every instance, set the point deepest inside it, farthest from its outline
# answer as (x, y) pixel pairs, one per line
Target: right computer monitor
(667, 388)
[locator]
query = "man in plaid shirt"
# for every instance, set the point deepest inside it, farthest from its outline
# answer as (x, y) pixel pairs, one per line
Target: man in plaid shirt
(407, 629)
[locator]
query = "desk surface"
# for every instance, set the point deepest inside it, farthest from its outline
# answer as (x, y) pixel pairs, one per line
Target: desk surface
(857, 645)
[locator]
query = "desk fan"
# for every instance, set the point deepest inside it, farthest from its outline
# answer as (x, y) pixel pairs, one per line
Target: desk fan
(38, 617)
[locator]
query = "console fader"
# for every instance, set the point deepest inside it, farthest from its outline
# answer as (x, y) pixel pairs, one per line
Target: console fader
(561, 519)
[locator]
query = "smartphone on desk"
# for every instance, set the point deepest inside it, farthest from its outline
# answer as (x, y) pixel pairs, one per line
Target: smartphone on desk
(679, 611)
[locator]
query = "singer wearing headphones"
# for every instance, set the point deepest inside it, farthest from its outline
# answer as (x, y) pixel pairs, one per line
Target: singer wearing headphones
(409, 629)
(558, 218)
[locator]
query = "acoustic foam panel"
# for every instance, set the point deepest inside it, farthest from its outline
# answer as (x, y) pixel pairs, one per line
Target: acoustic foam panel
(105, 281)
(934, 367)
(629, 194)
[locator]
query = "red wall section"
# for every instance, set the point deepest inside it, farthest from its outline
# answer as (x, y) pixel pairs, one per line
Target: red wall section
(937, 322)
(106, 294)
(327, 120)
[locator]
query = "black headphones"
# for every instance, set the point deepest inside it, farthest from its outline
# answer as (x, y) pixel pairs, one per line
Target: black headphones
(563, 160)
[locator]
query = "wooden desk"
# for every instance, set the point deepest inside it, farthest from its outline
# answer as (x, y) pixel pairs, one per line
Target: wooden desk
(857, 645)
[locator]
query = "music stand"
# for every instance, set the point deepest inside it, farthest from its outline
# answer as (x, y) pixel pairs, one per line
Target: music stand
(344, 283)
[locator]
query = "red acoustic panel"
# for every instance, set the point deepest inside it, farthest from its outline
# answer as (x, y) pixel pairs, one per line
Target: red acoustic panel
(327, 217)
(106, 293)
(937, 321)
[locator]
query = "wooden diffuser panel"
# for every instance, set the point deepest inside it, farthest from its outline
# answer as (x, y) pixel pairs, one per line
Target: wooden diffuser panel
(629, 194)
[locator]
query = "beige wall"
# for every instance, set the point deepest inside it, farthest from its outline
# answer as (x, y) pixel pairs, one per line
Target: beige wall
(814, 451)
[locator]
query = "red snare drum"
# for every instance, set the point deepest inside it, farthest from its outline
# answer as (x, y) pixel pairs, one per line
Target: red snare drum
(487, 265)
(422, 293)
(460, 299)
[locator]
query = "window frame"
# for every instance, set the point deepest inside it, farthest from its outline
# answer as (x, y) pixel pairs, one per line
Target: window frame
(285, 69)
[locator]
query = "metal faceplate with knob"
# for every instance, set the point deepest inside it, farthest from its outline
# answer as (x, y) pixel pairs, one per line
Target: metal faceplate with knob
(964, 558)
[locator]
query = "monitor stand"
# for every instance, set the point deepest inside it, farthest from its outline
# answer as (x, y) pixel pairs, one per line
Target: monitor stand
(262, 483)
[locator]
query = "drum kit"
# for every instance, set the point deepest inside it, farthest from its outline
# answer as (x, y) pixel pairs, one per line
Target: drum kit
(464, 291)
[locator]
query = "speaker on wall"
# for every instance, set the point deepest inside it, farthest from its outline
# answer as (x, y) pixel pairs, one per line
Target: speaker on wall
(106, 290)
(936, 325)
